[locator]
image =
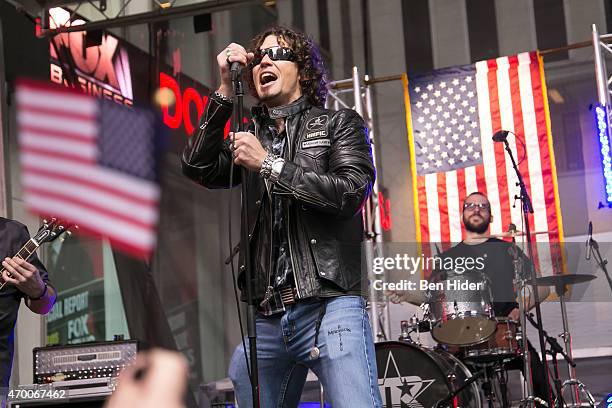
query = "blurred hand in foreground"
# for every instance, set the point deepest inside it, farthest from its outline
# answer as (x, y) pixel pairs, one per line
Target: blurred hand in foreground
(157, 379)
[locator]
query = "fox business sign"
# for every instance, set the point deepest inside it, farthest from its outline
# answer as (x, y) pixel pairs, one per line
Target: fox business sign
(102, 70)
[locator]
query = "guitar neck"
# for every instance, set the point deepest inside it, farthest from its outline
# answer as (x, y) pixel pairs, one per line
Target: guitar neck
(24, 253)
(28, 249)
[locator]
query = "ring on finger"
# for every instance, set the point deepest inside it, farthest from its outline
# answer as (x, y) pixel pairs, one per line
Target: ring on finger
(228, 52)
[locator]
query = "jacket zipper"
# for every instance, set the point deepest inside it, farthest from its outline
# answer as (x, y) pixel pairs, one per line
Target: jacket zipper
(199, 138)
(312, 199)
(297, 286)
(270, 271)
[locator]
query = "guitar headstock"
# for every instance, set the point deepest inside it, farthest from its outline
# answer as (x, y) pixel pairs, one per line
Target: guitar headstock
(52, 229)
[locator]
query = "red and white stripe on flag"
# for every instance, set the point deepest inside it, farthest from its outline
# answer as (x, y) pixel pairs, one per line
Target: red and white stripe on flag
(511, 95)
(62, 177)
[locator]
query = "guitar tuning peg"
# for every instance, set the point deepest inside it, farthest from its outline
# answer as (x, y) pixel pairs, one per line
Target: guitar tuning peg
(68, 233)
(45, 222)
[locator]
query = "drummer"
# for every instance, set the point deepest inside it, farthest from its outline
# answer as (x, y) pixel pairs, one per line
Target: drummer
(498, 268)
(494, 253)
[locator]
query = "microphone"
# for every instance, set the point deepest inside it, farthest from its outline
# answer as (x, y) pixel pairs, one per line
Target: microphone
(512, 233)
(588, 242)
(500, 135)
(235, 66)
(235, 72)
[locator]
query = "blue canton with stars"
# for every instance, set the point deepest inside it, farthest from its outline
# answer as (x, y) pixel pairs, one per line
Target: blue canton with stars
(444, 110)
(129, 140)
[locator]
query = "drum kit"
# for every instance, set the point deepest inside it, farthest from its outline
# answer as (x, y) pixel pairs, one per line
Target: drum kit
(468, 366)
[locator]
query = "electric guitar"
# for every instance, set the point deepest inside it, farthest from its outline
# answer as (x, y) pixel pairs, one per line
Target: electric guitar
(48, 232)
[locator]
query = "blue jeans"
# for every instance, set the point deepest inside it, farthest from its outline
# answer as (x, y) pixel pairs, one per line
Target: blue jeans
(346, 366)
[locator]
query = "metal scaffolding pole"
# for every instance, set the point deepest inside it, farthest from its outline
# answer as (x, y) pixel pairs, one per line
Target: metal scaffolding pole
(604, 81)
(376, 208)
(358, 97)
(601, 48)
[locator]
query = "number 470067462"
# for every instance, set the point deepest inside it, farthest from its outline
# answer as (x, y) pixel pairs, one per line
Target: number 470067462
(23, 394)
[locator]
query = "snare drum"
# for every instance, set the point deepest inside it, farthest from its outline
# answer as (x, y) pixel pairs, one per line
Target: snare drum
(462, 309)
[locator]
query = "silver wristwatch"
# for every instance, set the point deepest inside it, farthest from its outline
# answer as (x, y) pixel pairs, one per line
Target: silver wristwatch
(271, 167)
(266, 165)
(277, 168)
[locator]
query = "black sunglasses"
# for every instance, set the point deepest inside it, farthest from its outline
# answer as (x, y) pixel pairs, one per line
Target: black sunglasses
(276, 53)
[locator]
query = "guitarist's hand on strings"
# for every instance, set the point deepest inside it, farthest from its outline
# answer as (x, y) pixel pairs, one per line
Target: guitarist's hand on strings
(24, 276)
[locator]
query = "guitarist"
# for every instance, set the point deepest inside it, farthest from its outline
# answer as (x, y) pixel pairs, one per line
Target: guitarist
(27, 280)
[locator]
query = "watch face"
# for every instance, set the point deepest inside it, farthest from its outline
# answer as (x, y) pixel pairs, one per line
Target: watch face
(277, 166)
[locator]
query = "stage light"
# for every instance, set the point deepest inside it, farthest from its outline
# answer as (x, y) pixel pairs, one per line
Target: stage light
(58, 17)
(604, 148)
(164, 4)
(556, 96)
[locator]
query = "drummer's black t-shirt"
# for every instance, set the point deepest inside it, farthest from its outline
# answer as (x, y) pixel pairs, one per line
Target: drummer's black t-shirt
(498, 267)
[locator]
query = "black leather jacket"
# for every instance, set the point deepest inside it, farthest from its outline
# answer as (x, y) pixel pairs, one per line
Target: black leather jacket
(328, 174)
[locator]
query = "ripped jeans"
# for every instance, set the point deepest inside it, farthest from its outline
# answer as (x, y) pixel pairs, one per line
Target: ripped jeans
(346, 366)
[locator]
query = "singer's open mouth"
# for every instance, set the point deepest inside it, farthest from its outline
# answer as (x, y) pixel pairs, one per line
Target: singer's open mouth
(267, 77)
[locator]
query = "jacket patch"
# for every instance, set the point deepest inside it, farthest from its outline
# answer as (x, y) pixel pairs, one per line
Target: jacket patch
(316, 134)
(316, 143)
(318, 122)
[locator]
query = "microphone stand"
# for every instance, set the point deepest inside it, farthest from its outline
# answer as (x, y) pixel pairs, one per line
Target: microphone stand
(555, 348)
(521, 284)
(445, 402)
(238, 126)
(528, 209)
(594, 248)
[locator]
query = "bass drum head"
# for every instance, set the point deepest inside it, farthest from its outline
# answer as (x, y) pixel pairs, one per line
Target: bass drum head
(413, 377)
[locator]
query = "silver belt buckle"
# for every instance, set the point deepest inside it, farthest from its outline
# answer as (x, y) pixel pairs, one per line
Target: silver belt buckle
(287, 295)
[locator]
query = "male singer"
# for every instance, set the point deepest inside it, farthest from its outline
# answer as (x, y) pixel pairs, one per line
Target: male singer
(310, 171)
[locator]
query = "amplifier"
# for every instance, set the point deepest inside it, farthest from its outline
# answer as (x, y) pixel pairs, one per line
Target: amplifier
(82, 361)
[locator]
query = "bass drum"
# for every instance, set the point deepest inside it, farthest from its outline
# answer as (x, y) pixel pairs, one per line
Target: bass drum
(414, 377)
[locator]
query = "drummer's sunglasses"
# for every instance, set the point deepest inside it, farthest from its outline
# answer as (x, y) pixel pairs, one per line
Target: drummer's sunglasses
(470, 206)
(276, 53)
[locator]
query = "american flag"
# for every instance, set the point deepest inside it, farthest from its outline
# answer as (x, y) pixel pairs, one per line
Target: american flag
(452, 116)
(91, 162)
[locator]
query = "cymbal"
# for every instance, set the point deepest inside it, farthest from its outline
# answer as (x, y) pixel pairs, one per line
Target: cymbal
(559, 280)
(509, 234)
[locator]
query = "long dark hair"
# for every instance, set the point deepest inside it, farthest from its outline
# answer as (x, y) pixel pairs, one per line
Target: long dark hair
(313, 74)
